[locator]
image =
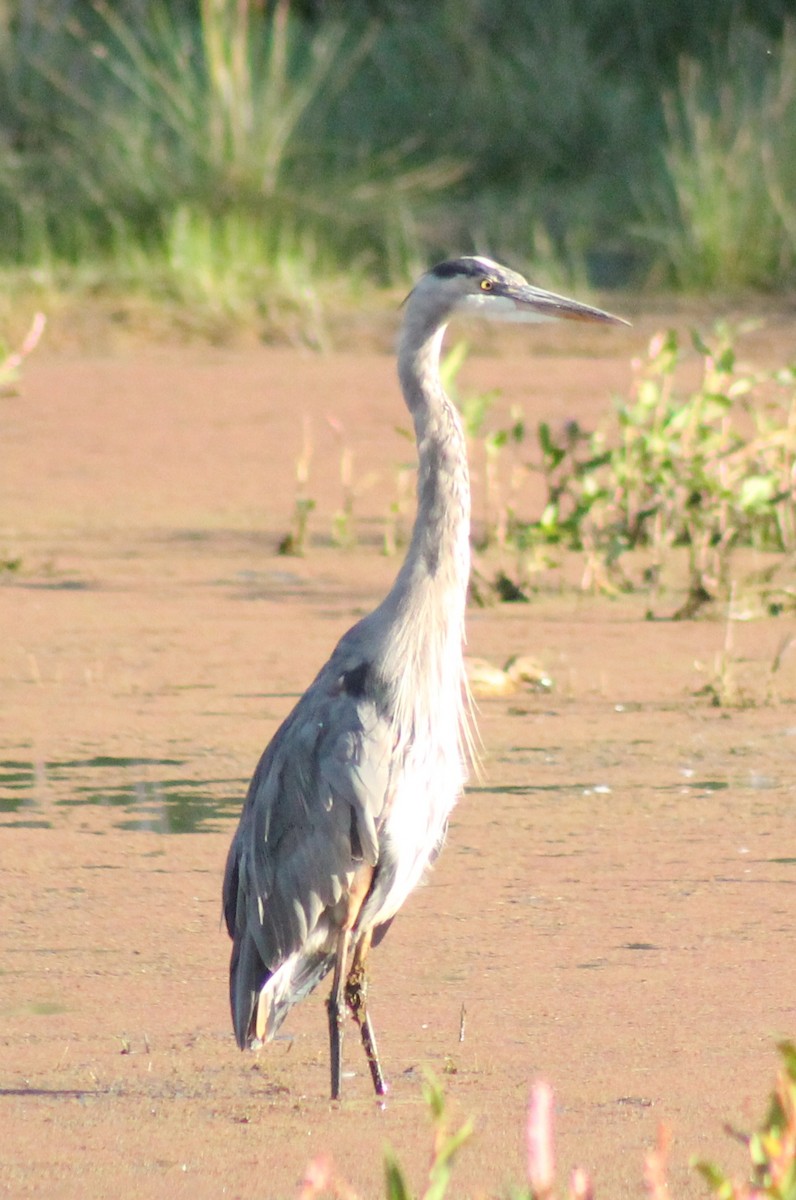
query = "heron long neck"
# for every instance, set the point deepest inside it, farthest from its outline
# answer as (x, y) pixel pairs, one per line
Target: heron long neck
(439, 549)
(426, 603)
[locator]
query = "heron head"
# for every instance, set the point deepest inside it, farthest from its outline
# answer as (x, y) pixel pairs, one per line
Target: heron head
(481, 287)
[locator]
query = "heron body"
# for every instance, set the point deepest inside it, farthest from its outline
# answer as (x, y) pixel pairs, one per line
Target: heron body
(349, 803)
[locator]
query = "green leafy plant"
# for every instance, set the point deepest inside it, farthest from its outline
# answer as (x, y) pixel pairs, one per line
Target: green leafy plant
(570, 464)
(771, 1147)
(445, 1147)
(708, 467)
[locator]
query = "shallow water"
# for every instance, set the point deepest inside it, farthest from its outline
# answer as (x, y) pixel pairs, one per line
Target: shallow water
(147, 797)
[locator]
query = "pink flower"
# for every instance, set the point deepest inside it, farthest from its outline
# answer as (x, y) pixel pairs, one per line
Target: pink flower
(541, 1156)
(318, 1176)
(580, 1185)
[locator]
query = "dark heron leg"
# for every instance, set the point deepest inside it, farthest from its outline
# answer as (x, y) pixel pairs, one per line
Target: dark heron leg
(356, 993)
(335, 1006)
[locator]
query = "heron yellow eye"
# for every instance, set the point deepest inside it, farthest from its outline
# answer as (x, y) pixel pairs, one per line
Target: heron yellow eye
(486, 285)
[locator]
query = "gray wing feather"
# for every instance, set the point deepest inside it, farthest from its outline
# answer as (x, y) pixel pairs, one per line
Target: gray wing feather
(311, 817)
(357, 770)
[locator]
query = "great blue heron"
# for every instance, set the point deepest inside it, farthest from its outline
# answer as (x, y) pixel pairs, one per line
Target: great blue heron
(350, 801)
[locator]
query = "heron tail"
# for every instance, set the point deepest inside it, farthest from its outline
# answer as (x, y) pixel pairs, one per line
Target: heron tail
(260, 999)
(248, 975)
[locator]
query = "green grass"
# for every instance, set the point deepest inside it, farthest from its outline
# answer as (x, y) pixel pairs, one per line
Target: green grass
(727, 219)
(247, 160)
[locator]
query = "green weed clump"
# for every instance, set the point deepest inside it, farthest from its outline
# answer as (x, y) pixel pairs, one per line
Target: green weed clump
(706, 467)
(710, 467)
(771, 1147)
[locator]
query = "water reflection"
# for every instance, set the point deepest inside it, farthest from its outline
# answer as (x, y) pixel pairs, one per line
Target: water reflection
(150, 793)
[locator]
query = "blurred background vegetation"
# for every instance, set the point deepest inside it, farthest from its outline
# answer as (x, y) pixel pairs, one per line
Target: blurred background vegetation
(242, 156)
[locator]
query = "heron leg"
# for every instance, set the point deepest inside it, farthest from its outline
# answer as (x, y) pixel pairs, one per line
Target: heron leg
(356, 992)
(339, 995)
(335, 1007)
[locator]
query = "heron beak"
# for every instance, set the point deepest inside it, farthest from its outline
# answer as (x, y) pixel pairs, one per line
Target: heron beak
(534, 304)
